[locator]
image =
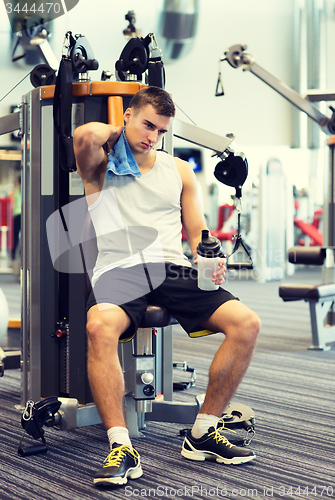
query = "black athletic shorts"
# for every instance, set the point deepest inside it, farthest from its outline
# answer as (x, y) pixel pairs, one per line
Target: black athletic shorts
(169, 285)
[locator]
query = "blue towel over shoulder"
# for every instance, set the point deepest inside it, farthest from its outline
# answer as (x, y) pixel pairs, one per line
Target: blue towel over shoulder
(121, 160)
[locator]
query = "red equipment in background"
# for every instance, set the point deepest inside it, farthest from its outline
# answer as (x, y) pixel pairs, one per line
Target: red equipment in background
(311, 229)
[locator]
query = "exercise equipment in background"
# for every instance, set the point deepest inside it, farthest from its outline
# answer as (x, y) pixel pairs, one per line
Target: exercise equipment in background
(320, 297)
(4, 314)
(310, 229)
(177, 27)
(232, 171)
(237, 56)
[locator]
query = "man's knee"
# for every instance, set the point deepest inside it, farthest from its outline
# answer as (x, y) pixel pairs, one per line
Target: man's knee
(254, 324)
(236, 321)
(95, 328)
(99, 332)
(105, 327)
(249, 328)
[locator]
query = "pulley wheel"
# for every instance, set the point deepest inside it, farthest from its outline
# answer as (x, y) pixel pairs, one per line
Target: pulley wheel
(42, 75)
(235, 414)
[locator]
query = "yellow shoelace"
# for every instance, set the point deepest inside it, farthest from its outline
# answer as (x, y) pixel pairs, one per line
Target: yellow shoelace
(117, 454)
(219, 438)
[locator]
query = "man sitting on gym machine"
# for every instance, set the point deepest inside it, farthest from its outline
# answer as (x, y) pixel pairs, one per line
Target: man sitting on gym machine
(161, 195)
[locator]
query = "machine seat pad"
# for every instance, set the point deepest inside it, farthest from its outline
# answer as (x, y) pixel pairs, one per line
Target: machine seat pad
(306, 291)
(313, 256)
(157, 316)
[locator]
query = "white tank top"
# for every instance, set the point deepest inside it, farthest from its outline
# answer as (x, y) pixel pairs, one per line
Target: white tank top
(138, 219)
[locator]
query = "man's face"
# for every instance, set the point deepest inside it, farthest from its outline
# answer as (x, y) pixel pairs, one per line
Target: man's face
(145, 129)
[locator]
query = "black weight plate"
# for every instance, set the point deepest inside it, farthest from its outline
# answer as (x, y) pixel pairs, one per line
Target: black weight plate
(42, 75)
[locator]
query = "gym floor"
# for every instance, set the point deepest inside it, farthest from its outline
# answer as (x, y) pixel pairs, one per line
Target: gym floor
(290, 388)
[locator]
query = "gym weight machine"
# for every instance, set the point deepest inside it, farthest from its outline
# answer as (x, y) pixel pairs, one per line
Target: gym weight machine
(53, 306)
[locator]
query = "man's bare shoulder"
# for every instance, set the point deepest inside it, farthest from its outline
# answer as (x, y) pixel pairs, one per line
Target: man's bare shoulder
(185, 170)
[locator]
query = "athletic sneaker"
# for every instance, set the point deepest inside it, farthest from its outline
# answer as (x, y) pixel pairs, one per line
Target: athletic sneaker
(215, 446)
(122, 462)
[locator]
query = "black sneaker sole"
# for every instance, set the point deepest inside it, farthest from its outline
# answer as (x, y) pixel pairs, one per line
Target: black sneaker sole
(134, 473)
(201, 455)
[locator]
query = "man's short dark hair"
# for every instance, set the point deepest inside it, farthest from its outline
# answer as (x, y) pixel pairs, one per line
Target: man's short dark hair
(157, 97)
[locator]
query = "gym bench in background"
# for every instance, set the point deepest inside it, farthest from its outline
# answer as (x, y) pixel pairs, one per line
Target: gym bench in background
(321, 297)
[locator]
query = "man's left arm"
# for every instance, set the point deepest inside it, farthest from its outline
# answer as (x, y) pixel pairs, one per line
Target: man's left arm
(193, 218)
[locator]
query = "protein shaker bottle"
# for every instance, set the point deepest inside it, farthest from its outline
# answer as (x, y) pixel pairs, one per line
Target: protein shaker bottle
(209, 254)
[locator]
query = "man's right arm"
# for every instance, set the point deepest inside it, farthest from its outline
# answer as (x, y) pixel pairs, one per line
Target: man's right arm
(88, 141)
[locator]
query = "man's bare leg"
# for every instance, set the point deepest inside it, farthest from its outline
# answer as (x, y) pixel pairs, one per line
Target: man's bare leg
(241, 327)
(105, 325)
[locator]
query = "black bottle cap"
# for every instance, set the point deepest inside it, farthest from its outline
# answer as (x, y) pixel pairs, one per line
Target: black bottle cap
(209, 245)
